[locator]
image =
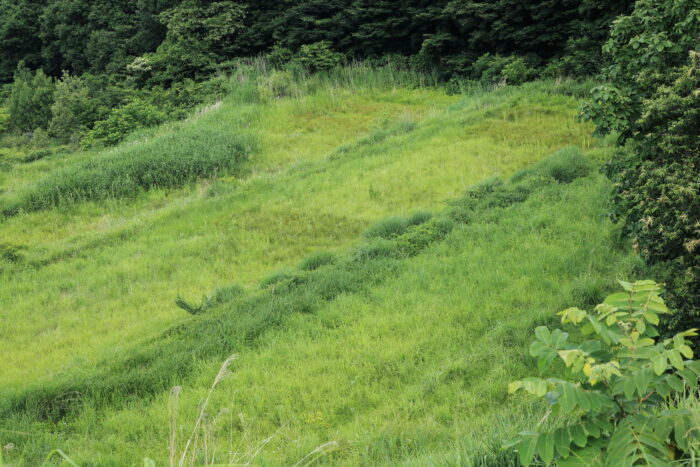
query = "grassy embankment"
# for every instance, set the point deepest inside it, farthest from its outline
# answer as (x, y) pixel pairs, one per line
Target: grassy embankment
(398, 348)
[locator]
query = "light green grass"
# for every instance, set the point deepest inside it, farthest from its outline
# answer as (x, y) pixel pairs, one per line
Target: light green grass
(101, 276)
(392, 373)
(412, 370)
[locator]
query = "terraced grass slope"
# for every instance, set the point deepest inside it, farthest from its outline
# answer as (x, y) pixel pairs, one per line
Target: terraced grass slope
(397, 347)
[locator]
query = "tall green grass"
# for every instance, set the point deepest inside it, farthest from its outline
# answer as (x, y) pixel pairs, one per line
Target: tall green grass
(169, 160)
(302, 291)
(170, 359)
(90, 372)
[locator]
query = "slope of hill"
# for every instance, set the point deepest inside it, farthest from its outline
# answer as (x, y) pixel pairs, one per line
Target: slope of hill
(397, 348)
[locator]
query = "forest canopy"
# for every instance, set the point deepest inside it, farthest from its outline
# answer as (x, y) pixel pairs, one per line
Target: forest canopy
(176, 39)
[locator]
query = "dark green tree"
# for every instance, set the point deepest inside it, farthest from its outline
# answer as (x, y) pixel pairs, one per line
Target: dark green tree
(19, 36)
(30, 100)
(70, 110)
(199, 35)
(652, 100)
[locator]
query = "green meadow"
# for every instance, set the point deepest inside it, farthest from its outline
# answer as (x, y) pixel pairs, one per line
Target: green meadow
(375, 249)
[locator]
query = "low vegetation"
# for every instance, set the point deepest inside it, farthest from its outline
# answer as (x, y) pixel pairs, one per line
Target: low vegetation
(621, 386)
(303, 297)
(162, 161)
(299, 232)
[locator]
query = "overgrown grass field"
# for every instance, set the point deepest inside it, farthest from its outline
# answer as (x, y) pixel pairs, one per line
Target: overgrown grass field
(397, 347)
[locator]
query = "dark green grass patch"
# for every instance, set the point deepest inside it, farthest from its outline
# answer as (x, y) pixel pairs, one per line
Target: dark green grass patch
(564, 166)
(169, 160)
(317, 260)
(395, 226)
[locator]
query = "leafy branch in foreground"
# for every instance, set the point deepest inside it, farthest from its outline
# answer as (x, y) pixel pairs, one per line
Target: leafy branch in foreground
(618, 387)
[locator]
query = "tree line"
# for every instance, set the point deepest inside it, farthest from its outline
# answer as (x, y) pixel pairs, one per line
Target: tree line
(169, 40)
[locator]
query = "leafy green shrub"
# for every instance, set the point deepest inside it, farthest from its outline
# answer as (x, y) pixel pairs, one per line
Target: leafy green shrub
(317, 260)
(178, 100)
(652, 100)
(488, 68)
(197, 37)
(122, 121)
(10, 155)
(40, 139)
(657, 188)
(4, 119)
(70, 109)
(165, 161)
(517, 71)
(582, 58)
(318, 56)
(36, 155)
(494, 69)
(279, 55)
(31, 96)
(617, 387)
(646, 49)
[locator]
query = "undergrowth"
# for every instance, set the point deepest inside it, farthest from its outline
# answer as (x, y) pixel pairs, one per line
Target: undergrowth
(231, 321)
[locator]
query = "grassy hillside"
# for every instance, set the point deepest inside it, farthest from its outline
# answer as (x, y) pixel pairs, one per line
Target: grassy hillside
(397, 347)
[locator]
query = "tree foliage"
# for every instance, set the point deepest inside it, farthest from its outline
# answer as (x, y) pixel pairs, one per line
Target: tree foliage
(31, 96)
(619, 386)
(652, 100)
(70, 109)
(187, 38)
(645, 48)
(197, 37)
(122, 121)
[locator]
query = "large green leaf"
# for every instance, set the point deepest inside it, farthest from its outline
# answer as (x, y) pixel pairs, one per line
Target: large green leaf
(589, 456)
(578, 435)
(681, 428)
(545, 447)
(675, 382)
(642, 380)
(535, 386)
(527, 447)
(636, 443)
(567, 397)
(562, 441)
(675, 358)
(659, 363)
(629, 388)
